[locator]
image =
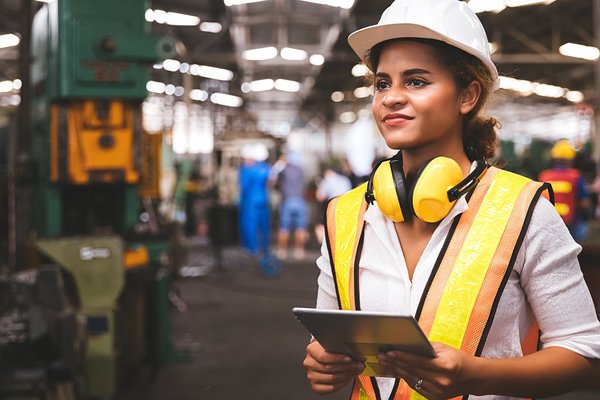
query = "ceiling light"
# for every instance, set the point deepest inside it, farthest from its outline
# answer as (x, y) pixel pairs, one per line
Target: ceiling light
(263, 53)
(291, 54)
(17, 84)
(170, 90)
(486, 5)
(206, 71)
(347, 4)
(520, 3)
(45, 1)
(317, 59)
(286, 85)
(362, 92)
(212, 27)
(171, 65)
(227, 100)
(337, 96)
(155, 87)
(262, 85)
(9, 40)
(493, 47)
(545, 90)
(359, 70)
(574, 96)
(230, 3)
(347, 117)
(579, 51)
(6, 86)
(171, 18)
(198, 95)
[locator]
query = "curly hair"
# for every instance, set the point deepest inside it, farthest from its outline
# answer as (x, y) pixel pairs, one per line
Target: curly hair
(479, 132)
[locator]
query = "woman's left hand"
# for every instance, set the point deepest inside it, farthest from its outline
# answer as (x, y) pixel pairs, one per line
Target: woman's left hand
(442, 377)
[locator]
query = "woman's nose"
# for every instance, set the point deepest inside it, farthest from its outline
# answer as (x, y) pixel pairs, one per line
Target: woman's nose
(394, 97)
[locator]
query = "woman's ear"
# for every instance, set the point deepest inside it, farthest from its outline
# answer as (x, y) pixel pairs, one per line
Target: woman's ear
(469, 97)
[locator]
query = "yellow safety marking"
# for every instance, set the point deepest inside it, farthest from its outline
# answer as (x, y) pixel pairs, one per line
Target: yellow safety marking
(347, 211)
(561, 186)
(474, 258)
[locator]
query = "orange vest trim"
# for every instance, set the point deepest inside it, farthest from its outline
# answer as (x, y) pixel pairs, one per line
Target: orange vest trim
(492, 283)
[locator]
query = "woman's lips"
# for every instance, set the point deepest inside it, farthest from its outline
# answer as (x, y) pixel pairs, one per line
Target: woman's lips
(396, 119)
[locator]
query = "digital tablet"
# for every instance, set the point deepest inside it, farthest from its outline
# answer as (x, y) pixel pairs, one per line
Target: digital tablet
(363, 335)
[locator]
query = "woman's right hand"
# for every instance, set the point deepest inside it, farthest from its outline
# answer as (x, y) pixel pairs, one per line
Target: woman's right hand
(329, 372)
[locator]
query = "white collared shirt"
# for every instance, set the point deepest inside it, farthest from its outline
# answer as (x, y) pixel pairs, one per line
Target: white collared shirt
(546, 285)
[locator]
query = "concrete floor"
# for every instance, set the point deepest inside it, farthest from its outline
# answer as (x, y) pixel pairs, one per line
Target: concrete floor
(240, 333)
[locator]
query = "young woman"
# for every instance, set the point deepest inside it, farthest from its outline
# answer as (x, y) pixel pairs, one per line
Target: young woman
(478, 279)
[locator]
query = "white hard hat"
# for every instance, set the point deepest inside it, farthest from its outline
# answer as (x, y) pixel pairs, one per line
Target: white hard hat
(260, 152)
(449, 21)
(246, 151)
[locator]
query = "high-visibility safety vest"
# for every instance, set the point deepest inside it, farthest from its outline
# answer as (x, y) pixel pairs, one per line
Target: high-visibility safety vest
(564, 183)
(467, 280)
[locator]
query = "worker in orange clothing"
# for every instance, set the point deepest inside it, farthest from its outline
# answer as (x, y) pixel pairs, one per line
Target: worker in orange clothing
(571, 198)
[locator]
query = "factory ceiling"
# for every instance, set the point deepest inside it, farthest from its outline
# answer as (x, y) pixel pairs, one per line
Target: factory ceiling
(527, 41)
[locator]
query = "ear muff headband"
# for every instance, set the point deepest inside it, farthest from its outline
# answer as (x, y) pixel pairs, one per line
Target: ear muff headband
(402, 192)
(470, 181)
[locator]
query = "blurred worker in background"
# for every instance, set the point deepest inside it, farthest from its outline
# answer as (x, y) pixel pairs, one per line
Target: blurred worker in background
(293, 211)
(333, 184)
(571, 198)
(254, 198)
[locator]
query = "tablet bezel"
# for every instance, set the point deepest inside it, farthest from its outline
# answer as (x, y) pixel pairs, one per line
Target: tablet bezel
(363, 334)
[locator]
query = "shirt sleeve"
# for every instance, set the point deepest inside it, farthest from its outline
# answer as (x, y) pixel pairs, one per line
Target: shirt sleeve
(554, 285)
(326, 295)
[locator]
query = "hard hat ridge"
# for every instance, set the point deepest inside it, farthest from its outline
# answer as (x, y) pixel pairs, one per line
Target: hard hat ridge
(449, 21)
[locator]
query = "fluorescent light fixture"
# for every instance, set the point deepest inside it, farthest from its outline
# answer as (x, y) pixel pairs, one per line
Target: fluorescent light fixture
(184, 68)
(521, 3)
(347, 4)
(179, 91)
(347, 117)
(6, 86)
(359, 70)
(17, 84)
(171, 18)
(362, 92)
(337, 96)
(155, 87)
(170, 90)
(230, 3)
(579, 51)
(317, 59)
(545, 90)
(486, 5)
(9, 40)
(516, 85)
(198, 95)
(291, 54)
(493, 47)
(171, 65)
(574, 96)
(45, 1)
(227, 100)
(262, 53)
(262, 85)
(157, 66)
(286, 85)
(212, 27)
(209, 72)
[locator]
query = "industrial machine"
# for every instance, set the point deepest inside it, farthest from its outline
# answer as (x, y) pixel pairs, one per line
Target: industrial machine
(91, 61)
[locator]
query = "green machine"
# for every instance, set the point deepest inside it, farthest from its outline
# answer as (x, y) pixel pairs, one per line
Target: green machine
(90, 63)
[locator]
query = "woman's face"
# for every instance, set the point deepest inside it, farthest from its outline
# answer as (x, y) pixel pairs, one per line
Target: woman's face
(416, 103)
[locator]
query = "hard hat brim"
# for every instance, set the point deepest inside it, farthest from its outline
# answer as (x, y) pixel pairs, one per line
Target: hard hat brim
(364, 39)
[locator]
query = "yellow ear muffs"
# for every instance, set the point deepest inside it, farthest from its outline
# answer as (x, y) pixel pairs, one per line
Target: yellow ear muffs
(430, 200)
(389, 189)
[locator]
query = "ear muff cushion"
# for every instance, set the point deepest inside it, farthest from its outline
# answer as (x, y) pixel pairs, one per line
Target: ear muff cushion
(430, 192)
(386, 193)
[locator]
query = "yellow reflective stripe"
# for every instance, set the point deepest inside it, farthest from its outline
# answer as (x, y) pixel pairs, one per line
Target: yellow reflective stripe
(347, 210)
(561, 186)
(416, 396)
(362, 395)
(468, 274)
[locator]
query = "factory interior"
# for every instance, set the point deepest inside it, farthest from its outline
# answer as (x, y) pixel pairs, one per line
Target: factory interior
(124, 125)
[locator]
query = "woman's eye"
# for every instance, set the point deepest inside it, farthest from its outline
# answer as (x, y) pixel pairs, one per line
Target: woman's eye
(416, 82)
(381, 85)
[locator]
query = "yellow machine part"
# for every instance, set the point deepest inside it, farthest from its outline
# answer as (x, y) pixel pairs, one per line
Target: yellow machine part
(95, 142)
(136, 257)
(150, 174)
